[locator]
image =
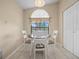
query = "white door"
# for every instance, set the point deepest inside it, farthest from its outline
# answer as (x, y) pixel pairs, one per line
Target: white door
(65, 29)
(71, 29)
(77, 28)
(68, 29)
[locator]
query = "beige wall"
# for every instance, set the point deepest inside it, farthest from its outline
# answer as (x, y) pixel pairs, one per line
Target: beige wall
(10, 26)
(63, 5)
(52, 10)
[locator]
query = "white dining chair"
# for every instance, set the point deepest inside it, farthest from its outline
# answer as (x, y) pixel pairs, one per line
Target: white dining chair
(44, 49)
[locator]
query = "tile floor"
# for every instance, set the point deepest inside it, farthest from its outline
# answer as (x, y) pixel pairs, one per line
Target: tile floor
(54, 52)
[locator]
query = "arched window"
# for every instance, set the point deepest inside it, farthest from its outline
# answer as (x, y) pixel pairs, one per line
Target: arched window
(40, 22)
(40, 13)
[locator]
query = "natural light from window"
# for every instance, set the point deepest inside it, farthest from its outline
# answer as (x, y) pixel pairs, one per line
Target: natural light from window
(40, 23)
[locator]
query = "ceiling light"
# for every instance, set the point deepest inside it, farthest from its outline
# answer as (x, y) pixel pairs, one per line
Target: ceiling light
(39, 3)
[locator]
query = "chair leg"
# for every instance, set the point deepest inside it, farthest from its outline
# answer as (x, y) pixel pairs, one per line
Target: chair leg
(34, 54)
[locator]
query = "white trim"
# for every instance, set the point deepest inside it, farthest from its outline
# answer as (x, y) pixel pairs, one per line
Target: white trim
(14, 51)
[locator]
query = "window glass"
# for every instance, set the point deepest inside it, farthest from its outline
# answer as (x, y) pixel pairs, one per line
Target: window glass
(40, 25)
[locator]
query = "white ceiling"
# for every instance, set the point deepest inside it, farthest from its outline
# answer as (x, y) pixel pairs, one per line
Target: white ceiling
(25, 4)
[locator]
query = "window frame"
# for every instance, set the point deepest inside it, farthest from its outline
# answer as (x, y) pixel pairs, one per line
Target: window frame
(48, 19)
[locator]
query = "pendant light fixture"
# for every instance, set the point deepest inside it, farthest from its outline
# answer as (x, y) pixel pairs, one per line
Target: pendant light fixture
(39, 3)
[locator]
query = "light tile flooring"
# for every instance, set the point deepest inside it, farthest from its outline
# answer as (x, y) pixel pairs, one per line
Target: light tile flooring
(54, 52)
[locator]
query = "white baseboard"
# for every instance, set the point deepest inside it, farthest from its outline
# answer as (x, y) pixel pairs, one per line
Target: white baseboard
(14, 51)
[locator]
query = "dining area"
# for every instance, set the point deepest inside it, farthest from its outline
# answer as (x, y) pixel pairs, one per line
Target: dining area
(39, 44)
(41, 48)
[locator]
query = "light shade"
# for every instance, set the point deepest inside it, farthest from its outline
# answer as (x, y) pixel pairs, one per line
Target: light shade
(23, 31)
(55, 34)
(39, 3)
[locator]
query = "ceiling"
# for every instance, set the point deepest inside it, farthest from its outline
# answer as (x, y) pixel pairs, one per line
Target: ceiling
(25, 4)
